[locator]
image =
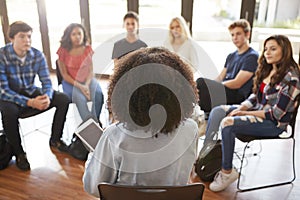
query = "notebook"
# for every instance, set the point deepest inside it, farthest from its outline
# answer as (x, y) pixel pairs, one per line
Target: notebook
(89, 133)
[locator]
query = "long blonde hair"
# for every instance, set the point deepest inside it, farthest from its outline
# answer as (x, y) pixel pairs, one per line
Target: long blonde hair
(185, 31)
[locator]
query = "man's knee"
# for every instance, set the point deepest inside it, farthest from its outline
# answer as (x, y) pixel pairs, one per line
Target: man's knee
(61, 99)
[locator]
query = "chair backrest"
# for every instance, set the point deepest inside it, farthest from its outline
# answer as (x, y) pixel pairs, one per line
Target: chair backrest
(109, 191)
(58, 74)
(294, 116)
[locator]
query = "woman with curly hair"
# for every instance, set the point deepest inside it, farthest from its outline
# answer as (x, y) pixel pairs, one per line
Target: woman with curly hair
(268, 110)
(152, 95)
(76, 67)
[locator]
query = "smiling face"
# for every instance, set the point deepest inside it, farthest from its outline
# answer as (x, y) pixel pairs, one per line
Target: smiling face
(22, 43)
(272, 52)
(77, 36)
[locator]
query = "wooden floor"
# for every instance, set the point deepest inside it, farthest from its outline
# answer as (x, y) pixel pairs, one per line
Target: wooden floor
(56, 175)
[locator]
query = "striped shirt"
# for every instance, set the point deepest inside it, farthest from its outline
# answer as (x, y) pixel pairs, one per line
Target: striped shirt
(278, 102)
(17, 76)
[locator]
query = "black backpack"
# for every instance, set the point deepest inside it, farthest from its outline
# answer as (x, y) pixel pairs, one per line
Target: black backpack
(77, 149)
(209, 161)
(6, 152)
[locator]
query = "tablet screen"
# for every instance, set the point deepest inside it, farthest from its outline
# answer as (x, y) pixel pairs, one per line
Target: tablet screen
(89, 133)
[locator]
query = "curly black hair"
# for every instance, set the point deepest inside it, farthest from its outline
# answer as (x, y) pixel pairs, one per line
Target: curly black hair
(163, 65)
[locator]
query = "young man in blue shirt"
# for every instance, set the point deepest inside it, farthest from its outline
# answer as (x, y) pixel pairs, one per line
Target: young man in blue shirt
(234, 83)
(19, 65)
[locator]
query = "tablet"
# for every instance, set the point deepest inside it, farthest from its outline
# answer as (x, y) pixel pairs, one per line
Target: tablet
(89, 133)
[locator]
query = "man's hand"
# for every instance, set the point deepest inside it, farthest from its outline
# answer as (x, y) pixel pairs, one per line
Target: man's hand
(40, 102)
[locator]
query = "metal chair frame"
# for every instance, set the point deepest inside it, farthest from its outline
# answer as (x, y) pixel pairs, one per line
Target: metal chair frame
(248, 139)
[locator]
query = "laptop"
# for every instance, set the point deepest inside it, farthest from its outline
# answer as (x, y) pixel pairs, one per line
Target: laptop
(89, 133)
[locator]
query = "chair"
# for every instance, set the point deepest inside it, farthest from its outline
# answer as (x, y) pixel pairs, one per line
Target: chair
(109, 191)
(58, 75)
(25, 115)
(248, 139)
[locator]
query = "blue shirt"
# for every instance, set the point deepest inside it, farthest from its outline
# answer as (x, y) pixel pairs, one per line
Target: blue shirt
(16, 76)
(246, 61)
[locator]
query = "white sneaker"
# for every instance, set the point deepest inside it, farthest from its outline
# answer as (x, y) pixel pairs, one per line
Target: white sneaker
(222, 180)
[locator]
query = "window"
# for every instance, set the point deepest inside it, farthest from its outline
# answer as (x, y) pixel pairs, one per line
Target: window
(26, 11)
(106, 19)
(2, 42)
(158, 13)
(212, 17)
(59, 15)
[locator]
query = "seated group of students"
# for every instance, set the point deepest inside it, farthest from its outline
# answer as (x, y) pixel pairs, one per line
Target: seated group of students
(151, 144)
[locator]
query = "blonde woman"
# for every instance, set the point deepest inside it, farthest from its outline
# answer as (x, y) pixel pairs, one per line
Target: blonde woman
(180, 42)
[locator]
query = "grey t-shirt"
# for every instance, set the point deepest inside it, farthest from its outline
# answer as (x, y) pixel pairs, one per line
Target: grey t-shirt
(137, 158)
(123, 47)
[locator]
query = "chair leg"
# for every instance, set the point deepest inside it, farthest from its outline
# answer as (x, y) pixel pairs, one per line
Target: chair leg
(241, 167)
(269, 185)
(23, 137)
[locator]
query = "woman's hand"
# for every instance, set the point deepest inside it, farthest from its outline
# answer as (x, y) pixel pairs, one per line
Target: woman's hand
(84, 89)
(238, 112)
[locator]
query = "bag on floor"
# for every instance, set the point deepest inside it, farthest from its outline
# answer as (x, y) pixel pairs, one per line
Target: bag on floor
(77, 149)
(209, 160)
(6, 152)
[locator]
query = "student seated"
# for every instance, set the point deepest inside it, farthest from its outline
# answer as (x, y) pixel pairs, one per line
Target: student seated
(266, 112)
(152, 94)
(76, 67)
(234, 83)
(19, 65)
(131, 42)
(180, 41)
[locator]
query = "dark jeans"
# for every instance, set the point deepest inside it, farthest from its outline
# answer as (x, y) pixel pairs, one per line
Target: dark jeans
(230, 126)
(11, 113)
(212, 94)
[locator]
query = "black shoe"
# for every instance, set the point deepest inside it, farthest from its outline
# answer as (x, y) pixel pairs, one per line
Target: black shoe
(22, 162)
(60, 145)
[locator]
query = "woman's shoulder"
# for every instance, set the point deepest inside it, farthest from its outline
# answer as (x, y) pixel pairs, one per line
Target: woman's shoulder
(62, 51)
(189, 123)
(292, 75)
(88, 50)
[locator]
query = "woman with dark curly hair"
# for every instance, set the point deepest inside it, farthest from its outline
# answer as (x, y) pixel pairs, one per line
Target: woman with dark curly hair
(76, 67)
(152, 95)
(268, 110)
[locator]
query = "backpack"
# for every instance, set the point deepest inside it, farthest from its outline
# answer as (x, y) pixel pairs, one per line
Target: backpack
(6, 152)
(77, 149)
(209, 160)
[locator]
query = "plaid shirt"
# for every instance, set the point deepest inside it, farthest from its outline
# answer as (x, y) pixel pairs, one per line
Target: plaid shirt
(16, 76)
(278, 102)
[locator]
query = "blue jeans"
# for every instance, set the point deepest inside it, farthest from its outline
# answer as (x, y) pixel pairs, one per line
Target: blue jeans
(80, 100)
(230, 126)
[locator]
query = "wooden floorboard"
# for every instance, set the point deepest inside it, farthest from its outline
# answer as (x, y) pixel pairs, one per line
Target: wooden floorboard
(56, 175)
